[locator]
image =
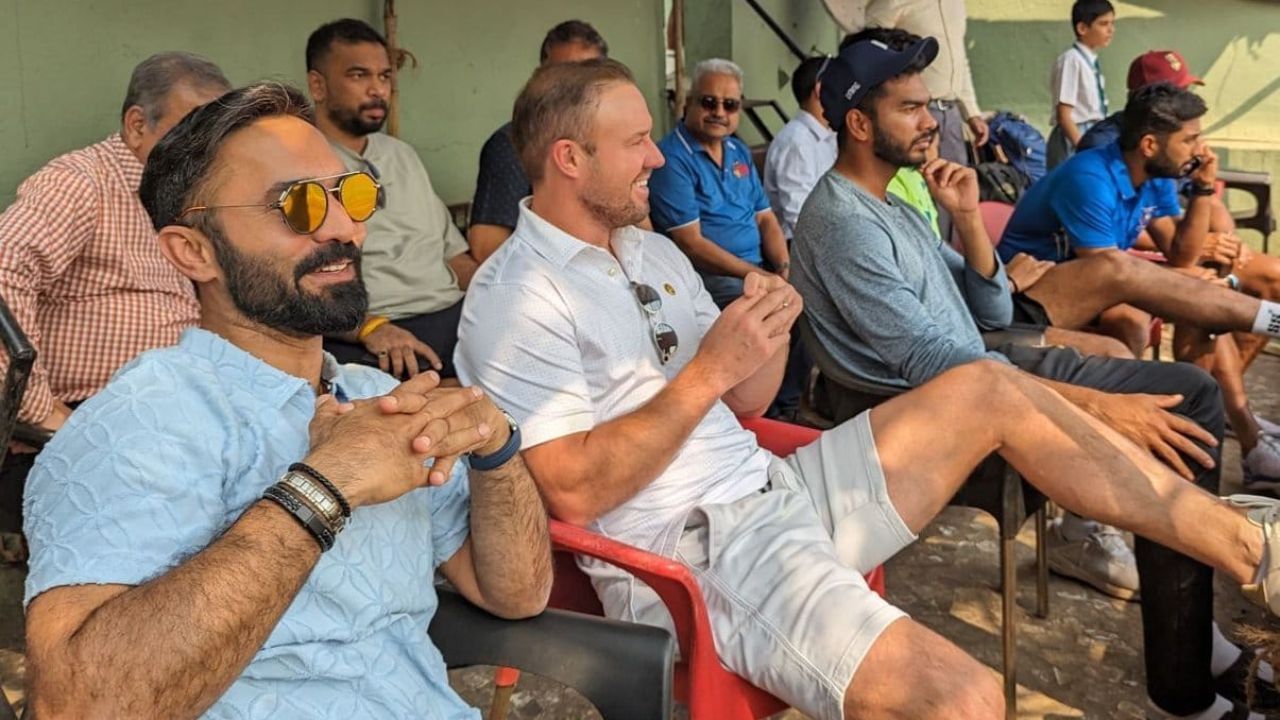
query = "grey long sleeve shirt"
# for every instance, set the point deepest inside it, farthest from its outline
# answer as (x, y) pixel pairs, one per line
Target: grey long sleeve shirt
(890, 301)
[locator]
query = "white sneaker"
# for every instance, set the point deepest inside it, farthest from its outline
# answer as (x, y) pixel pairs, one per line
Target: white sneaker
(1266, 426)
(1265, 513)
(1262, 465)
(1101, 559)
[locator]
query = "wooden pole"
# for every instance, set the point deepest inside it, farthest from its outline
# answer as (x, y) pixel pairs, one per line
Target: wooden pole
(393, 55)
(677, 9)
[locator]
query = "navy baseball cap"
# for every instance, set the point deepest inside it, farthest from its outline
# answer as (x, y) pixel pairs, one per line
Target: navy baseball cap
(861, 67)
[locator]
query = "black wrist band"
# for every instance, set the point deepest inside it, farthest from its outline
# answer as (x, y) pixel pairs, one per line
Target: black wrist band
(1201, 191)
(306, 517)
(324, 481)
(499, 457)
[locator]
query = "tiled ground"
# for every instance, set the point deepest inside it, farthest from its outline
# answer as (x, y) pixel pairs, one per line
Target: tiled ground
(1083, 661)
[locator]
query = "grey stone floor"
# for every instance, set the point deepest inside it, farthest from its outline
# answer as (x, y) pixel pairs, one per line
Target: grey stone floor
(1083, 661)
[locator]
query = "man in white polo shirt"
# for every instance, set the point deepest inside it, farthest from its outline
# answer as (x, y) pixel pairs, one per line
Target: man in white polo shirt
(625, 379)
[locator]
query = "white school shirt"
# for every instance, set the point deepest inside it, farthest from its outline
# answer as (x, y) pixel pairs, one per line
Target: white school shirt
(1076, 81)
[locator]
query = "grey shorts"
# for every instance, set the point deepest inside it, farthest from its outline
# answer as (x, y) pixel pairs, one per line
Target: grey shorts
(782, 570)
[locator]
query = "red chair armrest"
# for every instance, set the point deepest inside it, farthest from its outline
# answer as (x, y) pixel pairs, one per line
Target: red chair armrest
(778, 437)
(672, 581)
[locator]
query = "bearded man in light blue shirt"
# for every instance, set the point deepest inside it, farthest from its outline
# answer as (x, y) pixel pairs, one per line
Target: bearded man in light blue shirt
(238, 527)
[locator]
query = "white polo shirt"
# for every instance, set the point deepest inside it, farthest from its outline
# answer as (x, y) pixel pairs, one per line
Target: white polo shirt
(552, 330)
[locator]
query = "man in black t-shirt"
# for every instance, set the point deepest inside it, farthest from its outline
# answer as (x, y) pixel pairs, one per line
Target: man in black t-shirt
(502, 182)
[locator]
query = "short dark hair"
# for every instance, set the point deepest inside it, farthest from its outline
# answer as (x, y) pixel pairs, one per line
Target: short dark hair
(346, 30)
(1086, 11)
(805, 78)
(572, 31)
(153, 78)
(179, 167)
(558, 103)
(897, 39)
(1158, 109)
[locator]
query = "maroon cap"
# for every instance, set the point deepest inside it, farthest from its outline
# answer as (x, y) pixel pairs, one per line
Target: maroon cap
(1160, 66)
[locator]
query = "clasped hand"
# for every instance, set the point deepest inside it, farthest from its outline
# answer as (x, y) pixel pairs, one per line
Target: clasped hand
(375, 450)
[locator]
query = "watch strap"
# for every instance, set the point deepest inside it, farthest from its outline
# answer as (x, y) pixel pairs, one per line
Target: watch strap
(502, 455)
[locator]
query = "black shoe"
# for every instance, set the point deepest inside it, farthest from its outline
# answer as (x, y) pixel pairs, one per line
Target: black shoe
(1232, 685)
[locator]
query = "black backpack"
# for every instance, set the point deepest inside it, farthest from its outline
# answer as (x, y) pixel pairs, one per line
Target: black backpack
(1000, 182)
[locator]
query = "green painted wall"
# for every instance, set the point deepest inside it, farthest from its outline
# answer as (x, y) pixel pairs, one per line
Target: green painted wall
(64, 64)
(1233, 44)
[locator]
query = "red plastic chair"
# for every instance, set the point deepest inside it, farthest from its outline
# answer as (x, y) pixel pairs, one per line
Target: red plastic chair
(706, 687)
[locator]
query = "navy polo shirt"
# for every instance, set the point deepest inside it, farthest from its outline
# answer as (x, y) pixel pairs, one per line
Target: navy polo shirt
(725, 198)
(1087, 202)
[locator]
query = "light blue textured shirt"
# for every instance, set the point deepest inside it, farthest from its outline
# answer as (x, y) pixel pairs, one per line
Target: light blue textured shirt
(181, 441)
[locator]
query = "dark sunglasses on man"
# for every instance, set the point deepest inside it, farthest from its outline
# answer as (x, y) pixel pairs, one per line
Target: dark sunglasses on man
(711, 102)
(304, 204)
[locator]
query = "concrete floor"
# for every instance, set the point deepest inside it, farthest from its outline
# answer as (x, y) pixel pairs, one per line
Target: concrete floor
(1084, 660)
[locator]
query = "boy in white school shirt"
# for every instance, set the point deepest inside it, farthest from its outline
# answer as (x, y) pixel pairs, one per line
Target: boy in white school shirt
(1078, 89)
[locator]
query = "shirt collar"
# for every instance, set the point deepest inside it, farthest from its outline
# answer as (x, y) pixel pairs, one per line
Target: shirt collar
(235, 366)
(1119, 171)
(130, 165)
(815, 126)
(691, 143)
(1093, 56)
(559, 247)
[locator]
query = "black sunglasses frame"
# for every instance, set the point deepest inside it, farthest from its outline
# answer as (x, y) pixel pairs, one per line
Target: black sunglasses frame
(711, 103)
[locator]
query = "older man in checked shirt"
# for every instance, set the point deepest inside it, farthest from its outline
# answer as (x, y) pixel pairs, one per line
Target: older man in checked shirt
(80, 267)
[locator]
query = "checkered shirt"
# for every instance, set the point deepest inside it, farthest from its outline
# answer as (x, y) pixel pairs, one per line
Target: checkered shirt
(83, 274)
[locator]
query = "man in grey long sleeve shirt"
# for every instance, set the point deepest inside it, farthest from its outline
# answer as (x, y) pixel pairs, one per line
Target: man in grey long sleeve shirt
(891, 303)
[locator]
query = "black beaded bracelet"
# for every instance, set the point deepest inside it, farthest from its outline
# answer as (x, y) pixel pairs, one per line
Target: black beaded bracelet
(310, 519)
(324, 482)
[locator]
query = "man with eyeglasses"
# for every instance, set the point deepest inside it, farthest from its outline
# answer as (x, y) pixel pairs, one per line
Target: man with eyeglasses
(237, 525)
(79, 266)
(416, 262)
(708, 197)
(630, 429)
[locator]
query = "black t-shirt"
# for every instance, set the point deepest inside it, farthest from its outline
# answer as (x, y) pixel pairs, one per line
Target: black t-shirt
(501, 184)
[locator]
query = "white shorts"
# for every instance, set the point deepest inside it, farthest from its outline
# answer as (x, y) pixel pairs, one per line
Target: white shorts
(782, 570)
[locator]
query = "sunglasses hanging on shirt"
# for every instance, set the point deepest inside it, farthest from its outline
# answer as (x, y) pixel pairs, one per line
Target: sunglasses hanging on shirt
(664, 336)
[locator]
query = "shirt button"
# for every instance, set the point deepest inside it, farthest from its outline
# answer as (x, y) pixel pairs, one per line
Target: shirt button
(613, 271)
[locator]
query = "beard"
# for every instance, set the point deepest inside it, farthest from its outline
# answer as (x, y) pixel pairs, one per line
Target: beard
(1162, 167)
(899, 154)
(613, 211)
(266, 298)
(351, 121)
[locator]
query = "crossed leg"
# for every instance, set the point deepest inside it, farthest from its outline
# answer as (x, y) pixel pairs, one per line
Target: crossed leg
(930, 439)
(1075, 293)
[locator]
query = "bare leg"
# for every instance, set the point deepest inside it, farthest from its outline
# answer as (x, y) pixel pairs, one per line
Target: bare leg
(1221, 358)
(913, 673)
(1074, 293)
(1088, 343)
(1260, 277)
(930, 439)
(1127, 324)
